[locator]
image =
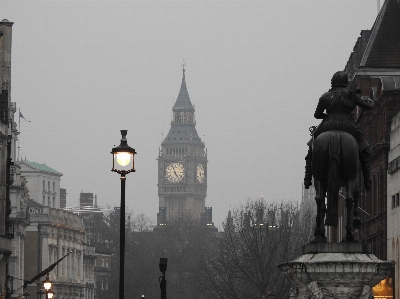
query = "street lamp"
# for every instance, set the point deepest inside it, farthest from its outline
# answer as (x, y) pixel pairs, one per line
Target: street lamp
(163, 283)
(123, 163)
(47, 284)
(50, 294)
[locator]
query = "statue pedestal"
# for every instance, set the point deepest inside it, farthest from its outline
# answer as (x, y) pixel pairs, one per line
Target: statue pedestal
(336, 271)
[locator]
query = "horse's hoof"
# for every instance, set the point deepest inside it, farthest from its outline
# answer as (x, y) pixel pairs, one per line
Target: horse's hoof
(356, 223)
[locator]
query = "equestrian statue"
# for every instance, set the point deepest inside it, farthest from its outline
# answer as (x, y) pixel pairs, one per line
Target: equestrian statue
(336, 150)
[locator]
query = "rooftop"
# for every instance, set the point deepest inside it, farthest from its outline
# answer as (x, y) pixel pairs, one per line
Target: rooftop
(41, 167)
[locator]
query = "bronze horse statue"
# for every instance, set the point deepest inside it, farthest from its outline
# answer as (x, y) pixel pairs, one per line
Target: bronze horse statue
(335, 164)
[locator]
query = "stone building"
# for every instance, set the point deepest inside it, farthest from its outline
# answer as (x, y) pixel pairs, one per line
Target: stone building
(182, 167)
(19, 217)
(98, 248)
(374, 67)
(52, 234)
(43, 183)
(103, 274)
(89, 261)
(6, 231)
(393, 193)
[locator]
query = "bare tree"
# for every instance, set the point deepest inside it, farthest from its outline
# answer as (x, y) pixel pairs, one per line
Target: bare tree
(259, 237)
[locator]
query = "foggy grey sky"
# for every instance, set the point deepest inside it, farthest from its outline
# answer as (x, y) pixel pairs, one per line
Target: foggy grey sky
(84, 70)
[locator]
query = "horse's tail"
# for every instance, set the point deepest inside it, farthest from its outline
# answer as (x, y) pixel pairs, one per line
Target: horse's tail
(333, 180)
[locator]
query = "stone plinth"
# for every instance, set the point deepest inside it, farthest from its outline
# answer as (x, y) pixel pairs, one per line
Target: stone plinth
(336, 271)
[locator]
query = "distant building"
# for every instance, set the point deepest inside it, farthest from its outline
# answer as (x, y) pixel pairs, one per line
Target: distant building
(63, 198)
(182, 167)
(89, 263)
(103, 274)
(43, 183)
(86, 200)
(98, 247)
(229, 225)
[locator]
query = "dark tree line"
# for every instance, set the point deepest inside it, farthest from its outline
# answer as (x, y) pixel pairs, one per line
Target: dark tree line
(258, 238)
(239, 262)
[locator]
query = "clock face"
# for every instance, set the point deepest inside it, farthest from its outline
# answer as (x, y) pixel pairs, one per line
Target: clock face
(200, 174)
(174, 172)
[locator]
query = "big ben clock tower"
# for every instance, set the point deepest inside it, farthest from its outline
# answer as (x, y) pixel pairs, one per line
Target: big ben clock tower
(182, 167)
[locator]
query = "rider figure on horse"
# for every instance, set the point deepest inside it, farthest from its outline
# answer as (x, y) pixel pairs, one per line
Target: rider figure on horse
(339, 103)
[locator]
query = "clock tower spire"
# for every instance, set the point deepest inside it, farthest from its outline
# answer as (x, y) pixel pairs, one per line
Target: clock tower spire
(182, 166)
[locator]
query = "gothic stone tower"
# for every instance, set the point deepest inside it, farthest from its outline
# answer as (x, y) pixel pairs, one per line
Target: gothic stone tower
(182, 166)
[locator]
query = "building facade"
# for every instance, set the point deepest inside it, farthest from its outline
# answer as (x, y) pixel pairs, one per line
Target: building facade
(19, 217)
(6, 232)
(43, 183)
(182, 166)
(99, 246)
(89, 262)
(52, 235)
(374, 67)
(393, 193)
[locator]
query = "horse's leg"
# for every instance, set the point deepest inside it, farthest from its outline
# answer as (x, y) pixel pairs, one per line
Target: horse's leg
(356, 212)
(349, 206)
(319, 231)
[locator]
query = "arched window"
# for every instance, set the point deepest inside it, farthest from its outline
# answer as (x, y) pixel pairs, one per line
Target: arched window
(102, 262)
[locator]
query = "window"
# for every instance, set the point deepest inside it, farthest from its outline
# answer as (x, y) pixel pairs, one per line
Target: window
(44, 185)
(48, 186)
(107, 263)
(54, 187)
(106, 283)
(102, 285)
(102, 262)
(4, 106)
(393, 201)
(397, 199)
(44, 199)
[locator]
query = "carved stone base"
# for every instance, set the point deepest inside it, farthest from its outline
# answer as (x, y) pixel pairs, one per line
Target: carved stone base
(336, 271)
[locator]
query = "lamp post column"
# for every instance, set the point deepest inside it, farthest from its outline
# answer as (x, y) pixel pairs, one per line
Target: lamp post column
(123, 156)
(122, 238)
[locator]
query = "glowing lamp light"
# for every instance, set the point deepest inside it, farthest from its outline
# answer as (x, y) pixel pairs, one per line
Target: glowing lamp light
(123, 159)
(47, 284)
(50, 294)
(123, 156)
